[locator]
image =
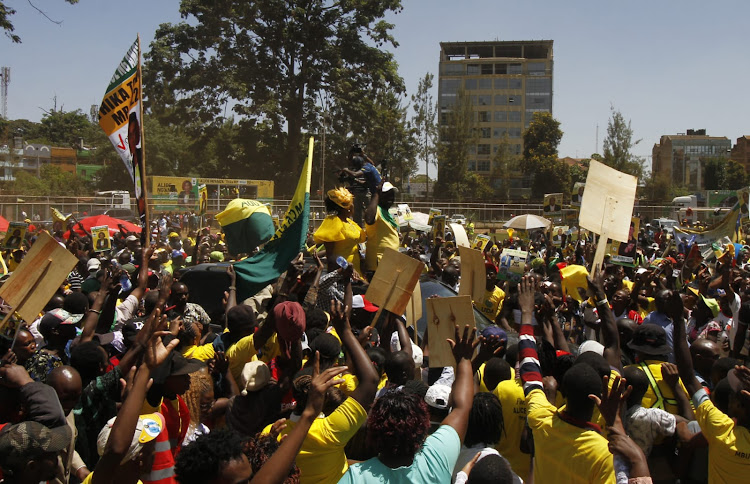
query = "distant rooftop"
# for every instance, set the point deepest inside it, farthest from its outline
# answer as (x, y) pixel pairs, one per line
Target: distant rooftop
(499, 49)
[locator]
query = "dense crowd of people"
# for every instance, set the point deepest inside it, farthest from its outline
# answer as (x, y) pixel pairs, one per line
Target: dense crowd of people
(572, 373)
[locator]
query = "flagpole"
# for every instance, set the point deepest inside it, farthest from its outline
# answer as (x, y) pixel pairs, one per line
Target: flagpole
(147, 225)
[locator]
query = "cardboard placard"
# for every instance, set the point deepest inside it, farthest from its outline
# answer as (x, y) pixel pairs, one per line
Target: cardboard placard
(512, 264)
(459, 235)
(438, 227)
(40, 274)
(433, 213)
(553, 204)
(15, 234)
(443, 314)
(473, 274)
(414, 307)
(603, 183)
(393, 283)
(480, 242)
(404, 212)
(100, 234)
(559, 233)
(743, 198)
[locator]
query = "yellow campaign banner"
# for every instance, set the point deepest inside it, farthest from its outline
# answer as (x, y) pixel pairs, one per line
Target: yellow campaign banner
(120, 118)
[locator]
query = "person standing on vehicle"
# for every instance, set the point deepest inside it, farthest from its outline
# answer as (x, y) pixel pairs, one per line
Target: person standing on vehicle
(366, 179)
(380, 226)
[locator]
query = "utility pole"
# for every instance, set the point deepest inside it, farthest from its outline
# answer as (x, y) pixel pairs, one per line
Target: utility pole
(4, 81)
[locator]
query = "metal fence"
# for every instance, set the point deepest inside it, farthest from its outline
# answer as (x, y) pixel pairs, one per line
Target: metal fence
(39, 208)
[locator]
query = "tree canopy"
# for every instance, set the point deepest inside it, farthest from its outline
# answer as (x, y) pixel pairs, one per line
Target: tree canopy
(6, 24)
(270, 62)
(540, 159)
(618, 146)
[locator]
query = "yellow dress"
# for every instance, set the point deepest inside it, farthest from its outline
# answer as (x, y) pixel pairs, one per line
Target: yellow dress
(345, 237)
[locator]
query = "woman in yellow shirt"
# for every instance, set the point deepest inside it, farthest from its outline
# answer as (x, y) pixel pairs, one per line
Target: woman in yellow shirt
(338, 232)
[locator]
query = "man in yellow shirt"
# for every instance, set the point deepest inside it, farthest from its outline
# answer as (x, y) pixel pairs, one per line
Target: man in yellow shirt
(568, 448)
(728, 436)
(321, 459)
(492, 302)
(651, 349)
(380, 226)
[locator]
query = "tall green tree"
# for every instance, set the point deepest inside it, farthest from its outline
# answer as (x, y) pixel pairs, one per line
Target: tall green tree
(505, 164)
(540, 159)
(619, 144)
(424, 121)
(457, 136)
(269, 61)
(6, 24)
(65, 128)
(722, 174)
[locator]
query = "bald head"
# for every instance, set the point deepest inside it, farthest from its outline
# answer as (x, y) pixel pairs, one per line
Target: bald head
(704, 354)
(67, 383)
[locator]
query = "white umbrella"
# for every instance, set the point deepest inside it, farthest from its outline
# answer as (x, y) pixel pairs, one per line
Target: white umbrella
(527, 222)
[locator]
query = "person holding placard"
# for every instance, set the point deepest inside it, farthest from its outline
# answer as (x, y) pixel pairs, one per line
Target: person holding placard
(338, 232)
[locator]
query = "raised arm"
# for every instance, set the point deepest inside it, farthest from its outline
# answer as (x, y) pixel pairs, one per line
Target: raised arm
(681, 351)
(463, 388)
(363, 369)
(140, 289)
(276, 469)
(91, 319)
(610, 335)
(372, 208)
(121, 436)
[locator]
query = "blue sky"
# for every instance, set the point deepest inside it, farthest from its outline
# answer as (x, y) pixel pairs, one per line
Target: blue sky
(668, 66)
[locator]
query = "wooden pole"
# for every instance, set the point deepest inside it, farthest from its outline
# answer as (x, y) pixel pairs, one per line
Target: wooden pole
(146, 225)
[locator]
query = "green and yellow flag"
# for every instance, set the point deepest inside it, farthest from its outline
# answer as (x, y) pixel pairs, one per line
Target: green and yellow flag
(120, 118)
(256, 272)
(246, 224)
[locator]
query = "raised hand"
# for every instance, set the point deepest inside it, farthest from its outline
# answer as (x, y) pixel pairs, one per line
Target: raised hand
(526, 294)
(339, 318)
(609, 404)
(320, 384)
(670, 374)
(232, 275)
(463, 346)
(14, 376)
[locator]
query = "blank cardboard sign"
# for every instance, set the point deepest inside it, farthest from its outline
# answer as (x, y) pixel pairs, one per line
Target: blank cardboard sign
(473, 274)
(30, 287)
(443, 314)
(414, 307)
(393, 283)
(603, 182)
(459, 234)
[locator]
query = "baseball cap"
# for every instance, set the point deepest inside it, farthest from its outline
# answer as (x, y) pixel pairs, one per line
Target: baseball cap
(437, 396)
(712, 304)
(21, 441)
(387, 186)
(129, 268)
(131, 238)
(177, 253)
(174, 234)
(216, 256)
(93, 265)
(176, 365)
(149, 427)
(255, 375)
(495, 331)
(359, 302)
(592, 346)
(54, 318)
